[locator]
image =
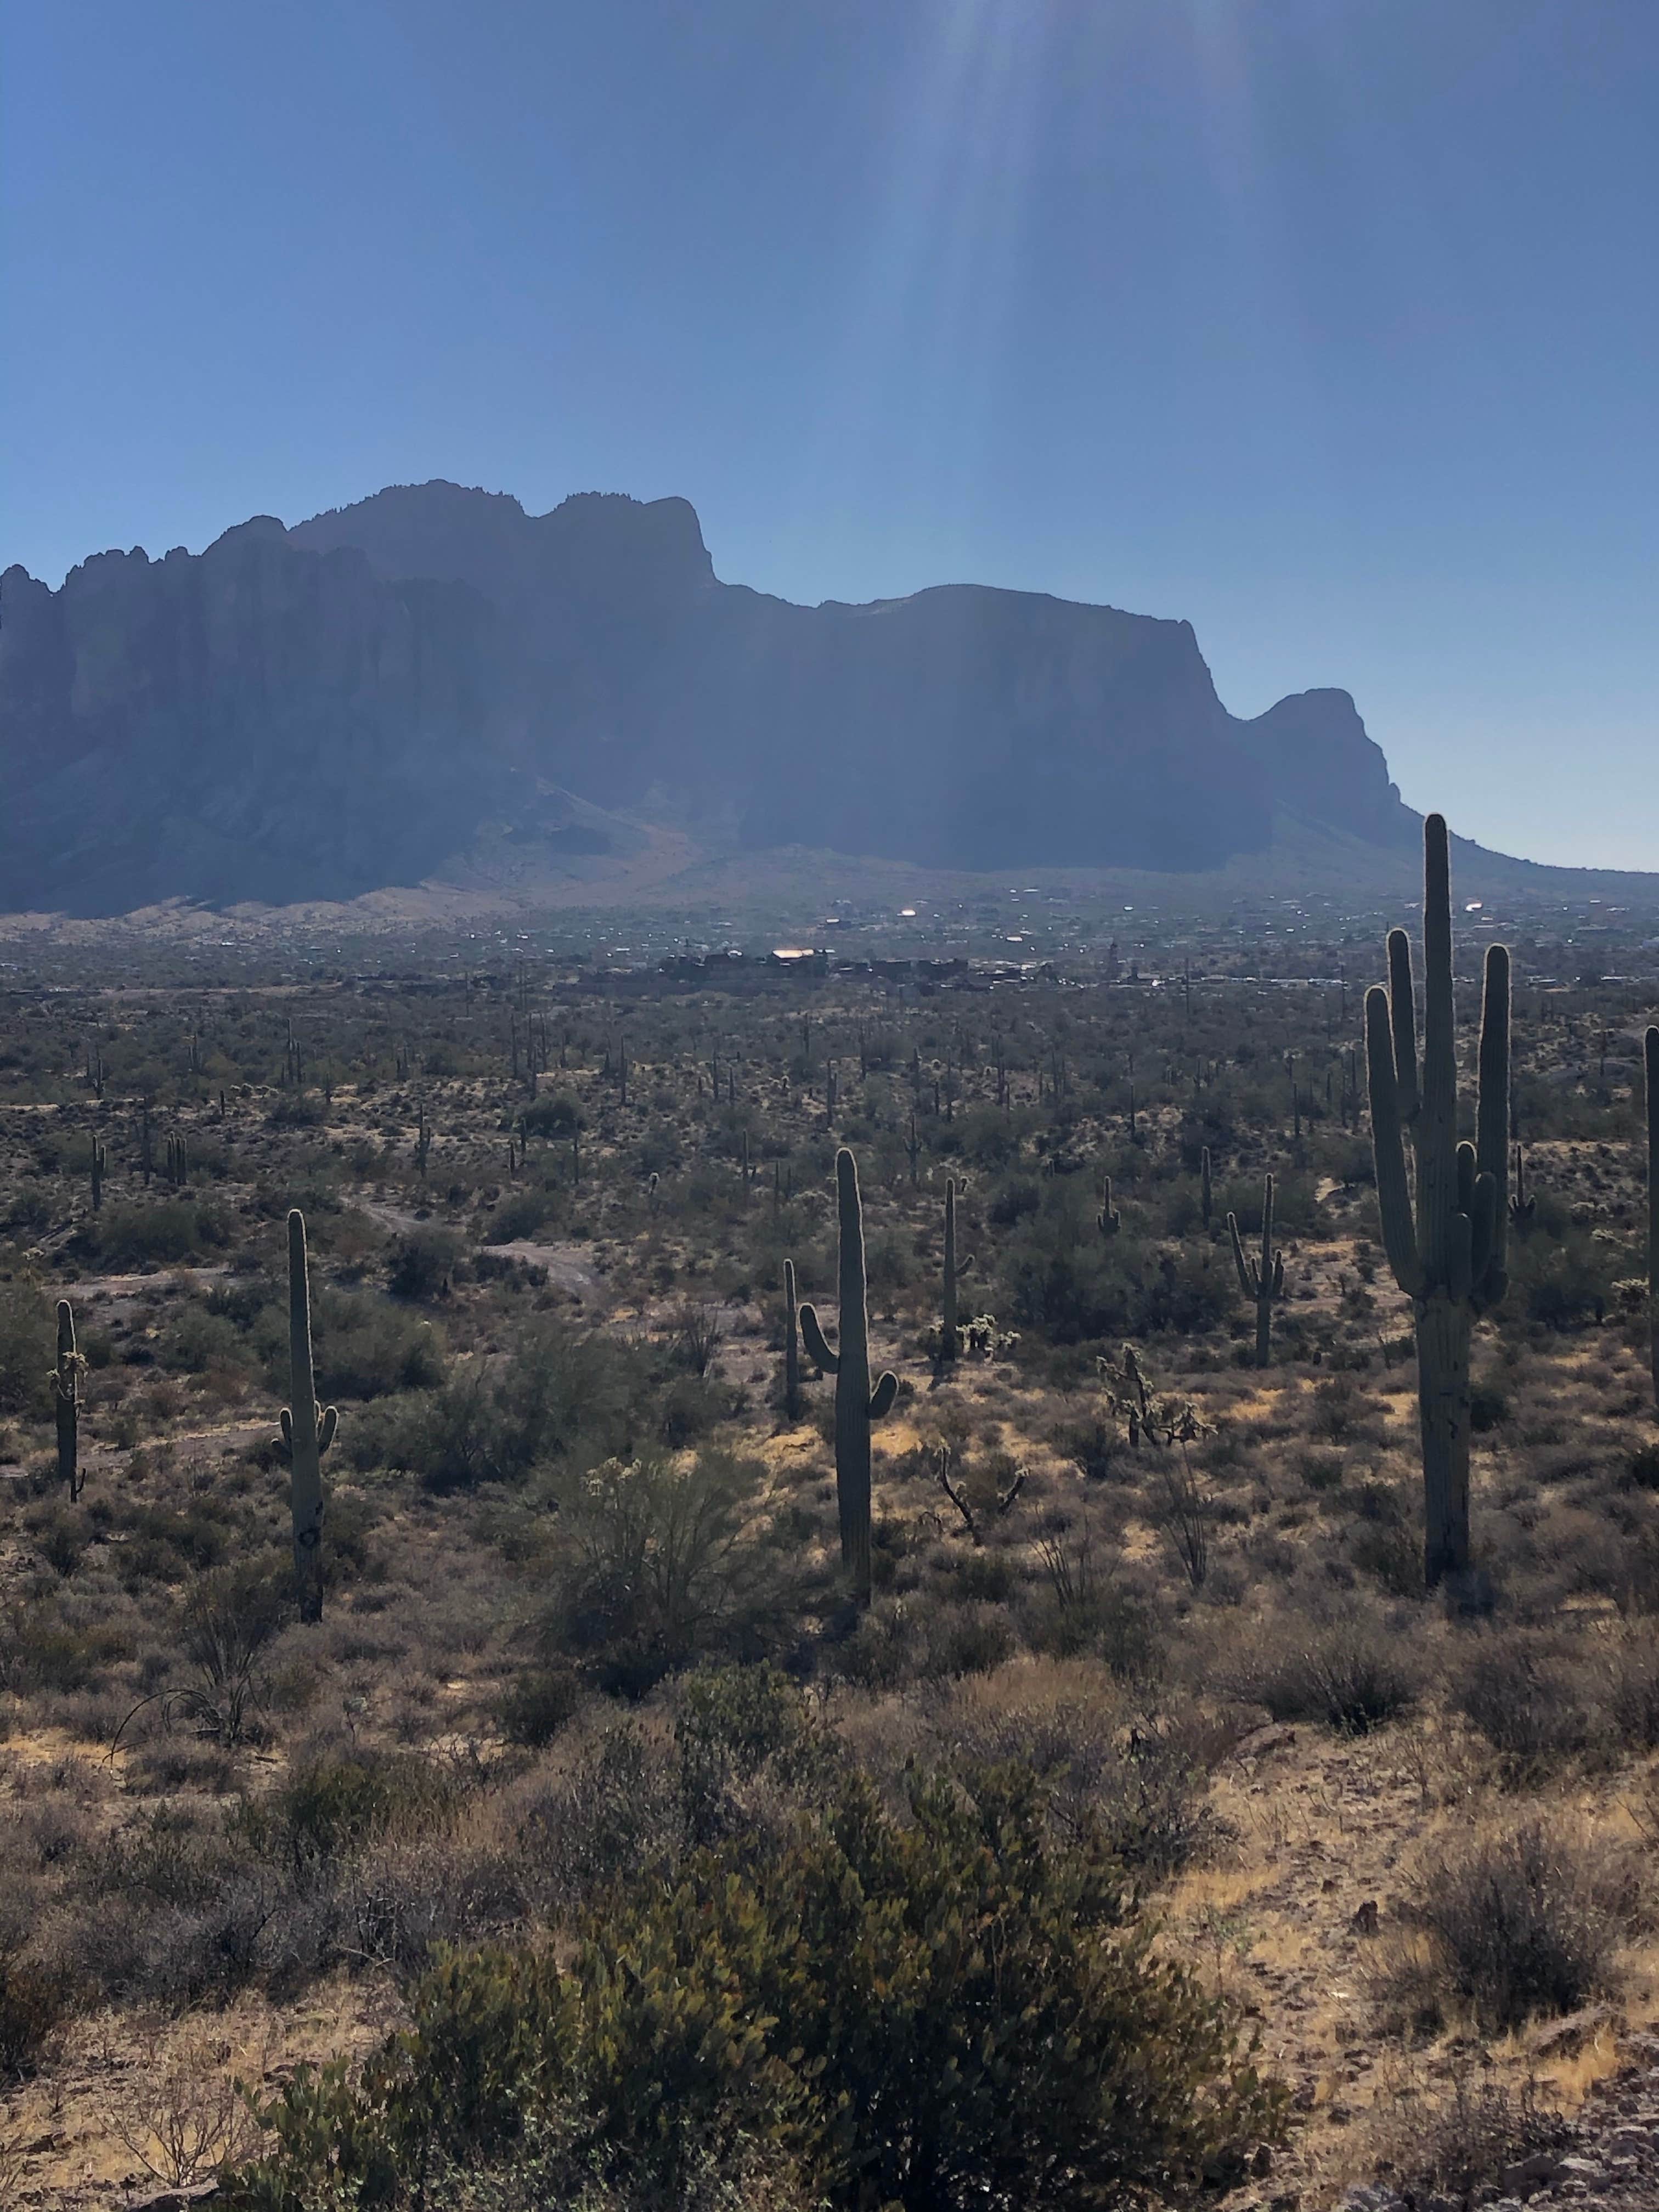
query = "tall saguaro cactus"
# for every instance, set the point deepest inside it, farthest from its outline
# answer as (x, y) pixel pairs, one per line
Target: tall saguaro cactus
(1651, 1069)
(66, 1402)
(948, 1331)
(1447, 1251)
(856, 1404)
(1261, 1279)
(308, 1431)
(791, 1346)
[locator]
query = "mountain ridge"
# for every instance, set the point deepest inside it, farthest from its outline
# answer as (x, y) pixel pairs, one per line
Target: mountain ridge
(320, 711)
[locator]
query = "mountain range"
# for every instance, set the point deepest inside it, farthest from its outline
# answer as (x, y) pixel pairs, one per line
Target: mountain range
(316, 712)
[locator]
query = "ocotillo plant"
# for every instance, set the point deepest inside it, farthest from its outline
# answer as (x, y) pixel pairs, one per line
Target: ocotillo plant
(947, 1342)
(98, 1163)
(1108, 1220)
(1447, 1253)
(1651, 1070)
(66, 1402)
(856, 1404)
(308, 1431)
(791, 1346)
(1262, 1280)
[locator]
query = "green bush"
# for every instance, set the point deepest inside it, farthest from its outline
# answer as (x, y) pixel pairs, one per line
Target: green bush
(160, 1234)
(932, 2013)
(421, 1263)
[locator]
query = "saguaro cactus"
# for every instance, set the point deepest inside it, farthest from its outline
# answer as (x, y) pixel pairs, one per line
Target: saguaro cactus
(100, 1161)
(1523, 1207)
(1651, 1069)
(947, 1342)
(1108, 1220)
(856, 1404)
(791, 1346)
(66, 1394)
(1261, 1279)
(1447, 1253)
(308, 1431)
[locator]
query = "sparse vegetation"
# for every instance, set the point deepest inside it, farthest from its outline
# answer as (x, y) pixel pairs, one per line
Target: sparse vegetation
(633, 1651)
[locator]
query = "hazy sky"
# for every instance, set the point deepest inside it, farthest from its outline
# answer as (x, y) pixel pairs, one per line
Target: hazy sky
(1332, 326)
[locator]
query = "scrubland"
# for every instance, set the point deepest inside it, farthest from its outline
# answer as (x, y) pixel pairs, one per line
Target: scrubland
(597, 1847)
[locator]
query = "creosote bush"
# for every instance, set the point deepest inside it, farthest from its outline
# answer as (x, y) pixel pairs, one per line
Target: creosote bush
(838, 1999)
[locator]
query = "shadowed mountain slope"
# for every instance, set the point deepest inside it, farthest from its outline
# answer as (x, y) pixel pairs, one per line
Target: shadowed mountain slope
(319, 712)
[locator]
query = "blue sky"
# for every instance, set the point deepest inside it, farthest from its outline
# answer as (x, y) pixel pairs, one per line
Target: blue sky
(1332, 326)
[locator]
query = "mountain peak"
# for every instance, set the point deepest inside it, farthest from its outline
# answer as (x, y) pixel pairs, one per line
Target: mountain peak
(383, 676)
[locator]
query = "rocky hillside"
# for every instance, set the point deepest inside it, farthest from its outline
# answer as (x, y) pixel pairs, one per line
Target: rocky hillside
(321, 711)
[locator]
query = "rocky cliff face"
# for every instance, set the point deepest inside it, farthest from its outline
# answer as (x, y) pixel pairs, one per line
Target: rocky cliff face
(316, 712)
(254, 722)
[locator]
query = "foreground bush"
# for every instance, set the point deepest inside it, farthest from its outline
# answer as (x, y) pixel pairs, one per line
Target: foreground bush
(932, 2014)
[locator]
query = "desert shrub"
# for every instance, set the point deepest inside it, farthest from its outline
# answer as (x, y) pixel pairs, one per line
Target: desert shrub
(655, 1566)
(1633, 1697)
(367, 1348)
(160, 1234)
(617, 1816)
(832, 1998)
(522, 1215)
(1127, 1776)
(1525, 1698)
(537, 1704)
(557, 1397)
(333, 1803)
(32, 2002)
(558, 1116)
(1351, 1675)
(1523, 1922)
(26, 1341)
(421, 1263)
(199, 1339)
(61, 1536)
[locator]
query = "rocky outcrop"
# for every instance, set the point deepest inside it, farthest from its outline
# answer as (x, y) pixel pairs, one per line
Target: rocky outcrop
(316, 712)
(255, 723)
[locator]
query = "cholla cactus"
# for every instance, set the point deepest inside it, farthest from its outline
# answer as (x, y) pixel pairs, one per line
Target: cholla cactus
(308, 1431)
(1262, 1280)
(857, 1404)
(1447, 1250)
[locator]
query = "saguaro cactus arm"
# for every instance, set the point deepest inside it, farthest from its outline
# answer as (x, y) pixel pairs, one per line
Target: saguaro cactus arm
(1394, 1196)
(881, 1397)
(812, 1337)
